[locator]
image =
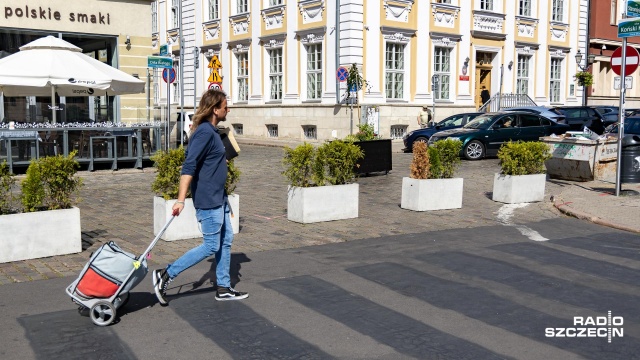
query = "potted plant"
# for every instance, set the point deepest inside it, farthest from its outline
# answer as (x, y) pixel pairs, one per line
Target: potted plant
(523, 176)
(584, 78)
(50, 222)
(431, 185)
(168, 165)
(322, 181)
(377, 151)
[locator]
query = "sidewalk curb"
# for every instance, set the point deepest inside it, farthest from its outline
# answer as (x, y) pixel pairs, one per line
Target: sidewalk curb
(563, 208)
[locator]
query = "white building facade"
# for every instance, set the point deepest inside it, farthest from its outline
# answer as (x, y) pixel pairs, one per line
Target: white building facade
(278, 58)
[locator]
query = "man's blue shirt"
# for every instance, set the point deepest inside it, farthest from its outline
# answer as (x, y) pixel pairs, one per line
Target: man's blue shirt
(205, 160)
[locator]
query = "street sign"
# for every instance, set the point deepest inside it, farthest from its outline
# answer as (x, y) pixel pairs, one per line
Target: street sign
(628, 82)
(215, 86)
(215, 63)
(629, 27)
(631, 61)
(633, 8)
(159, 62)
(214, 77)
(164, 50)
(169, 75)
(342, 74)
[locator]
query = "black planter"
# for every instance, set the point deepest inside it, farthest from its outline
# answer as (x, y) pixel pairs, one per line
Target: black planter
(377, 156)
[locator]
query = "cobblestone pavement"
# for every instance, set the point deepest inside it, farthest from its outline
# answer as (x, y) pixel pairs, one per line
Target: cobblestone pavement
(118, 206)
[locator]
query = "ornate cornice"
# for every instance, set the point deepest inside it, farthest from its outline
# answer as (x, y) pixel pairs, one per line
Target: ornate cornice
(444, 14)
(240, 23)
(273, 17)
(211, 29)
(397, 10)
(311, 10)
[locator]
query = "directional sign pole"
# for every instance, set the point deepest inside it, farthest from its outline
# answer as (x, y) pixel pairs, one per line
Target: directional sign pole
(623, 90)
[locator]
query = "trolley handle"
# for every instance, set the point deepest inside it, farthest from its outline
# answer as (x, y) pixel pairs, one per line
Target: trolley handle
(155, 240)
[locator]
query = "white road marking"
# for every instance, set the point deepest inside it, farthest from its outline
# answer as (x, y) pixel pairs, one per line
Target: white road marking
(504, 217)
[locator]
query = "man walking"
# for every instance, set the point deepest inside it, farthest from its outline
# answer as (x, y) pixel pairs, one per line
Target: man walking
(205, 171)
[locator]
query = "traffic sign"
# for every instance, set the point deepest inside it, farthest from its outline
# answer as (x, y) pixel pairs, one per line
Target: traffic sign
(214, 77)
(169, 75)
(215, 63)
(164, 50)
(215, 86)
(342, 74)
(629, 27)
(628, 82)
(159, 62)
(633, 8)
(631, 61)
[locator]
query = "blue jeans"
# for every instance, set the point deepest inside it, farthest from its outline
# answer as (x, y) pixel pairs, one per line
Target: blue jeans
(217, 236)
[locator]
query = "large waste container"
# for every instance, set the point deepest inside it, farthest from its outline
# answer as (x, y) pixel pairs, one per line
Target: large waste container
(580, 159)
(630, 162)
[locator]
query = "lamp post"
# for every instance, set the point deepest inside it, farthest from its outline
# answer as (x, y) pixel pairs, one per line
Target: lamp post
(590, 59)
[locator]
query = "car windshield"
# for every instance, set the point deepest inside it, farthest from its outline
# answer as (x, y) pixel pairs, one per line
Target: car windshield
(481, 122)
(631, 126)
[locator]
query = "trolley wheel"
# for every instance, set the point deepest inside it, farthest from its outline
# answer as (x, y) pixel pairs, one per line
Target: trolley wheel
(103, 313)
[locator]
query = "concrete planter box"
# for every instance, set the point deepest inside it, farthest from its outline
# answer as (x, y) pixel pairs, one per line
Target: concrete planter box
(40, 234)
(186, 225)
(322, 203)
(234, 202)
(519, 189)
(431, 194)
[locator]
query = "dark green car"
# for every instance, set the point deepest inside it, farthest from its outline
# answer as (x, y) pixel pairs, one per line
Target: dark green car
(485, 134)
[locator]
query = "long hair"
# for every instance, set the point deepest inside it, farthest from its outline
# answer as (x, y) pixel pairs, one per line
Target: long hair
(211, 99)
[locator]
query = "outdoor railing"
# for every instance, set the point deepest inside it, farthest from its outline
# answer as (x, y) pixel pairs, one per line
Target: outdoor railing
(503, 101)
(111, 144)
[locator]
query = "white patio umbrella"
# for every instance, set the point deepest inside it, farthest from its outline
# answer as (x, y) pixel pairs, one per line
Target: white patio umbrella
(51, 65)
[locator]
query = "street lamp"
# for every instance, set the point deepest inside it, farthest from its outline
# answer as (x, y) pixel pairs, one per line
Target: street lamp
(590, 59)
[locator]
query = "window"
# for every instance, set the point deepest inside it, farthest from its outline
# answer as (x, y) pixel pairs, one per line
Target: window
(275, 2)
(174, 14)
(486, 5)
(557, 10)
(275, 73)
(242, 6)
(525, 8)
(214, 9)
(556, 74)
(310, 132)
(243, 76)
(272, 130)
(522, 75)
(398, 131)
(154, 17)
(529, 120)
(613, 15)
(394, 71)
(442, 69)
(444, 1)
(238, 129)
(314, 71)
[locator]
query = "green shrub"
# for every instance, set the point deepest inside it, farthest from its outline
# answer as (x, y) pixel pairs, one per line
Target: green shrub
(523, 158)
(438, 161)
(233, 176)
(7, 180)
(298, 163)
(448, 158)
(50, 183)
(335, 163)
(365, 133)
(168, 165)
(332, 163)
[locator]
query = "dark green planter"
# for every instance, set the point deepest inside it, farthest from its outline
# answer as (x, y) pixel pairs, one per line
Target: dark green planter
(377, 156)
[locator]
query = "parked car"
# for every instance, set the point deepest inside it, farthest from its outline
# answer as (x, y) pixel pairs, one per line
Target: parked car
(486, 133)
(579, 117)
(549, 113)
(631, 126)
(609, 114)
(631, 112)
(451, 122)
(176, 127)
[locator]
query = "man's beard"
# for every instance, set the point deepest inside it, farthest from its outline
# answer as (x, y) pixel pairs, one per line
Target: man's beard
(222, 119)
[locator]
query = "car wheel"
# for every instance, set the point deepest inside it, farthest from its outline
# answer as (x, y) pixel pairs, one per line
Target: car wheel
(421, 139)
(474, 150)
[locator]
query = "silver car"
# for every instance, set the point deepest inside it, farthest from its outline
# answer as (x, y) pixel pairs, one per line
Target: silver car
(549, 113)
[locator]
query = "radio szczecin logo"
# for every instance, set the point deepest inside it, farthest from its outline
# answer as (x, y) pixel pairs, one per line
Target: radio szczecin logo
(590, 327)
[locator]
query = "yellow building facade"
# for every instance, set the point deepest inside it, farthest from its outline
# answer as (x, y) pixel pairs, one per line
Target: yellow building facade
(279, 59)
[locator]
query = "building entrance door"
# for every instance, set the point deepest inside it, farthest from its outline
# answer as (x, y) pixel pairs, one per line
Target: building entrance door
(483, 81)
